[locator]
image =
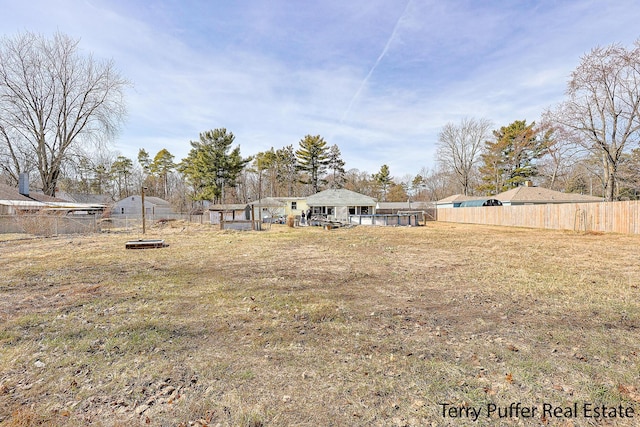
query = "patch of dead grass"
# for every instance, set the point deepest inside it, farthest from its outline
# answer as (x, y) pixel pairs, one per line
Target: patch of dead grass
(362, 326)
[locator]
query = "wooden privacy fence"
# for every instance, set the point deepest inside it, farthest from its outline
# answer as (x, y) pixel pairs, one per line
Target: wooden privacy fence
(614, 217)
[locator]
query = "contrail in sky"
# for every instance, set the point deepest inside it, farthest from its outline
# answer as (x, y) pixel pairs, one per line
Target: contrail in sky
(382, 54)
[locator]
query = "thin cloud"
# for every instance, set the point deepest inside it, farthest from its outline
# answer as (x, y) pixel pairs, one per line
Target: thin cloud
(375, 65)
(271, 73)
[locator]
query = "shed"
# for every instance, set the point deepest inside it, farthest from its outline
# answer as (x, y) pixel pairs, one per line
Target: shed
(132, 205)
(229, 212)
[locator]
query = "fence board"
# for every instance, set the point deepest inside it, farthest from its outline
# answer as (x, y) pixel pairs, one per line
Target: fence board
(615, 217)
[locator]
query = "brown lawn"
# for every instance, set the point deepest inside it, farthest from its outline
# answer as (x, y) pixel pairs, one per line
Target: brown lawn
(307, 327)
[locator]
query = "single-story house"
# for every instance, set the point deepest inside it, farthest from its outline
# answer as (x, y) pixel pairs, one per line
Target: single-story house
(132, 206)
(338, 204)
(94, 199)
(527, 195)
(229, 212)
(21, 199)
(294, 205)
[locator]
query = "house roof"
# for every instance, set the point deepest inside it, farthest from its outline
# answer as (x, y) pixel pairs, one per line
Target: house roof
(157, 201)
(85, 198)
(8, 192)
(542, 195)
(10, 196)
(228, 207)
(340, 197)
(269, 202)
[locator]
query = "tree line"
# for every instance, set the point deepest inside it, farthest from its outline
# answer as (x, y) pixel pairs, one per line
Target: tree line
(60, 108)
(215, 170)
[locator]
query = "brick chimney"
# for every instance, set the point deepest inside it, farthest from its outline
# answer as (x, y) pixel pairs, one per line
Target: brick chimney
(23, 184)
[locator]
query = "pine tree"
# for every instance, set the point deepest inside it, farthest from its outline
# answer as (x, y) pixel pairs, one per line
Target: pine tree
(336, 166)
(383, 180)
(510, 159)
(212, 165)
(313, 158)
(162, 166)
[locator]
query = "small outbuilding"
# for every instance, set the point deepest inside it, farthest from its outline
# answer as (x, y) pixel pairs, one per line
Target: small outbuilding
(132, 206)
(229, 212)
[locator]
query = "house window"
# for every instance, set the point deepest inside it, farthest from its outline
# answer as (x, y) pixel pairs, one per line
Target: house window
(122, 211)
(352, 210)
(364, 210)
(294, 206)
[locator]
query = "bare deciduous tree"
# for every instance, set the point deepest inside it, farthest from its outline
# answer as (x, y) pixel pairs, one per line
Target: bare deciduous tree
(459, 148)
(53, 100)
(603, 106)
(562, 153)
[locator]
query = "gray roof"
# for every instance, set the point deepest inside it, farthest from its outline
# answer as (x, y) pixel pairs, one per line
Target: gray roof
(340, 197)
(269, 202)
(148, 200)
(228, 207)
(542, 195)
(85, 198)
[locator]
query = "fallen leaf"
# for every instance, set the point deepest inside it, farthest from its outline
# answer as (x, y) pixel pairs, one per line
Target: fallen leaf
(629, 391)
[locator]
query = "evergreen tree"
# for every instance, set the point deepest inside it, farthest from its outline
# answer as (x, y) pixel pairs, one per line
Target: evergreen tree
(121, 170)
(211, 165)
(162, 166)
(336, 166)
(287, 169)
(263, 164)
(510, 159)
(144, 160)
(383, 180)
(313, 158)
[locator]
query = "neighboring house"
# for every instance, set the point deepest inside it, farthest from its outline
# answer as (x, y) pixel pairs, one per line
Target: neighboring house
(132, 206)
(294, 205)
(21, 199)
(12, 201)
(229, 212)
(338, 204)
(454, 201)
(96, 199)
(527, 195)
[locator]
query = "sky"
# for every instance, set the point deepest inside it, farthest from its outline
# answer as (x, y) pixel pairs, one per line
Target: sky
(378, 78)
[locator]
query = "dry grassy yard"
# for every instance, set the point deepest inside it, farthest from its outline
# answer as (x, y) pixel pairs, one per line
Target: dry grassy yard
(307, 327)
